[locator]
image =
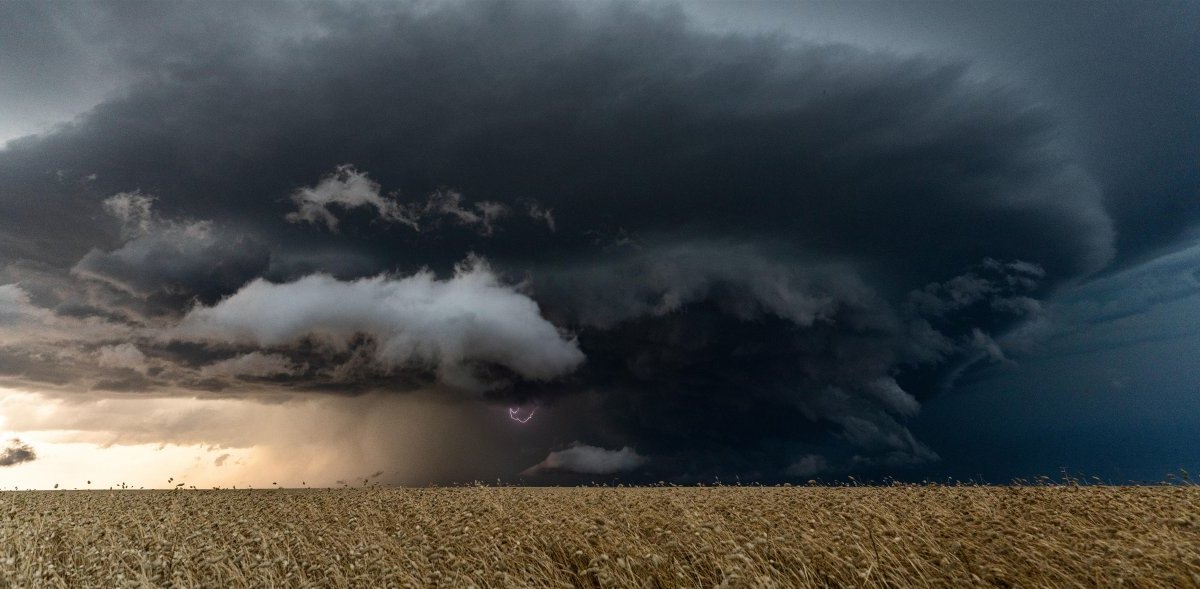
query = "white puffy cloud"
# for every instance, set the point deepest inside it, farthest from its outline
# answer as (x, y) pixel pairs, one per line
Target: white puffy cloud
(583, 459)
(447, 326)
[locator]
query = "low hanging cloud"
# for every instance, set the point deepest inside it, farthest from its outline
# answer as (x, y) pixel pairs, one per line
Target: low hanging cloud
(124, 355)
(161, 256)
(892, 397)
(16, 452)
(583, 459)
(254, 364)
(747, 281)
(730, 336)
(16, 310)
(451, 327)
(23, 323)
(807, 466)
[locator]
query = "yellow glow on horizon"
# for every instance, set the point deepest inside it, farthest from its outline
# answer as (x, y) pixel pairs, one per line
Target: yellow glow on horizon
(71, 465)
(70, 458)
(160, 441)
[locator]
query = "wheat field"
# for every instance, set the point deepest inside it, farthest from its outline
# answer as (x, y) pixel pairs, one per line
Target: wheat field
(893, 536)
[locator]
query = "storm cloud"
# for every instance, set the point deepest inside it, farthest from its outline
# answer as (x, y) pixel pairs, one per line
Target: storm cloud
(253, 364)
(750, 254)
(16, 452)
(189, 258)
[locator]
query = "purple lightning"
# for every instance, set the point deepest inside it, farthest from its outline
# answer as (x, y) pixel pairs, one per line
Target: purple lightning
(513, 414)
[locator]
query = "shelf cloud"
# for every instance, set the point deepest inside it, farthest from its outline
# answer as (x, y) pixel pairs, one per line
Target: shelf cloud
(737, 253)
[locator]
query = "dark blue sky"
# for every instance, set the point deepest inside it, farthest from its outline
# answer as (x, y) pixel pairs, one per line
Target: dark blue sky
(1111, 391)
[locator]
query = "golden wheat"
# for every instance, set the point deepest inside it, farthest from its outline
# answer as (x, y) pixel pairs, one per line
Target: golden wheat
(898, 536)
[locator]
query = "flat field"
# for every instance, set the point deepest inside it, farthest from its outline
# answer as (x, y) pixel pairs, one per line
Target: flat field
(898, 536)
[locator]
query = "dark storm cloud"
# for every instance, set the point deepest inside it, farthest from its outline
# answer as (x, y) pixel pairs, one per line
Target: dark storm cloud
(122, 356)
(16, 452)
(1121, 76)
(254, 364)
(758, 255)
(169, 257)
(1126, 77)
(621, 118)
(733, 342)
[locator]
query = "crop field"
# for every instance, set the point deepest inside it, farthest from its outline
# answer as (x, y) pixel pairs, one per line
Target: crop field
(896, 536)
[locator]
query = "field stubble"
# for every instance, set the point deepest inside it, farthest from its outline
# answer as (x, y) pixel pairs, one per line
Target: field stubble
(897, 536)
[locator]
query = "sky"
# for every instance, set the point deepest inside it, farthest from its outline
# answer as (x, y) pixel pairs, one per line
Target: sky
(438, 242)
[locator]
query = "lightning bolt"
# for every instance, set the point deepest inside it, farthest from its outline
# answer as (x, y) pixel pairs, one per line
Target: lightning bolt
(514, 413)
